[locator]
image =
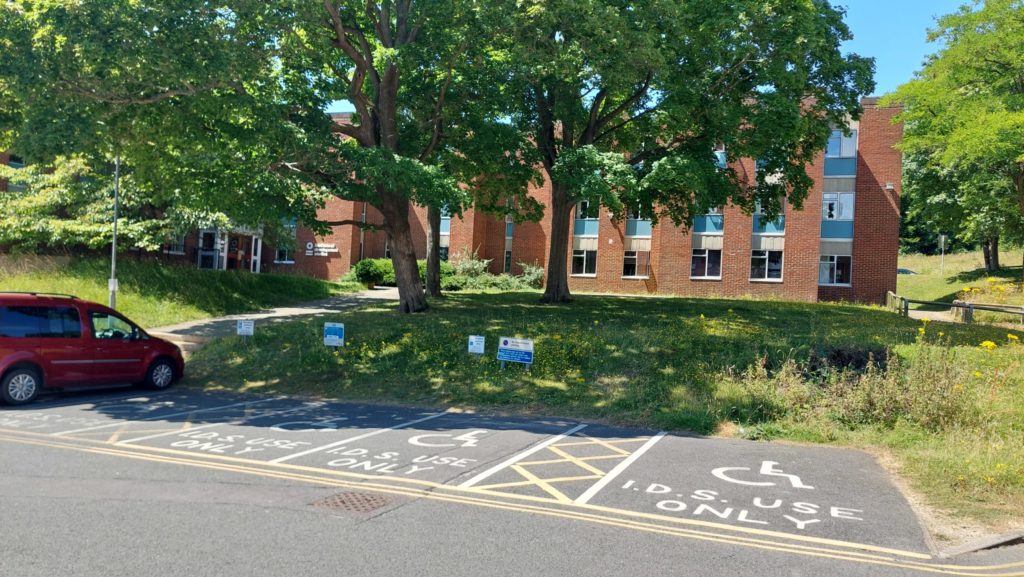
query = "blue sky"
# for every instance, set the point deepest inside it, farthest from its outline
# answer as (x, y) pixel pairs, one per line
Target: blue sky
(894, 32)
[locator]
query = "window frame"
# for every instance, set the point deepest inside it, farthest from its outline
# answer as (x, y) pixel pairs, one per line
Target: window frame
(636, 265)
(767, 268)
(43, 323)
(839, 205)
(844, 142)
(834, 267)
(705, 256)
(586, 261)
(174, 246)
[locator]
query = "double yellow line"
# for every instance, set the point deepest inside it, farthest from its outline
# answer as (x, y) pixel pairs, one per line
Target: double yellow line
(420, 489)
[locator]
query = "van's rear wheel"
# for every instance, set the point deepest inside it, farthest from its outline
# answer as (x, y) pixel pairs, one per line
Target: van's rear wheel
(20, 386)
(160, 375)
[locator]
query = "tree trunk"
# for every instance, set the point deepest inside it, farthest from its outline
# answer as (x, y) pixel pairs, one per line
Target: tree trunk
(557, 288)
(993, 253)
(395, 209)
(433, 251)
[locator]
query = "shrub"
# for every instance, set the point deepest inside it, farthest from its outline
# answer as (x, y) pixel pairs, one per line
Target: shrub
(374, 271)
(533, 275)
(455, 282)
(470, 265)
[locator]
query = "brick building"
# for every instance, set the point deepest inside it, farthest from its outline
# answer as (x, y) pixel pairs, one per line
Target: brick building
(842, 245)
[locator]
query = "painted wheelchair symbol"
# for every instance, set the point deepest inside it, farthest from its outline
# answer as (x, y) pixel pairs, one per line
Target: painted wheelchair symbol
(768, 469)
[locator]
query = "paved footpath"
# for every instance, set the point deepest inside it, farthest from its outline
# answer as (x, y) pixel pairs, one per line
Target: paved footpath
(225, 326)
(801, 504)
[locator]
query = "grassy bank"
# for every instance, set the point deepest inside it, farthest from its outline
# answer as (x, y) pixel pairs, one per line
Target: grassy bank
(156, 294)
(953, 411)
(934, 282)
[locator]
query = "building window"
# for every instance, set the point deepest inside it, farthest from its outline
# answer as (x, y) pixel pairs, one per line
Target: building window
(584, 262)
(636, 264)
(837, 206)
(176, 245)
(841, 146)
(387, 247)
(586, 210)
(706, 263)
(766, 265)
(835, 270)
(446, 221)
(285, 254)
(442, 253)
(638, 222)
(508, 261)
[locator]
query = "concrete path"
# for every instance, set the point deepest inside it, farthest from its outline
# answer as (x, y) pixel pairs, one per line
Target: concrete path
(204, 329)
(943, 316)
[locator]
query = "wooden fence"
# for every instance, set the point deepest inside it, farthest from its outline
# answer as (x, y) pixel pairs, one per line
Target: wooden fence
(962, 311)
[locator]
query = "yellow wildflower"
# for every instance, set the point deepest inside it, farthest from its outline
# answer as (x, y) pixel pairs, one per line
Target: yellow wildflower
(988, 345)
(941, 334)
(557, 337)
(926, 320)
(977, 373)
(1012, 337)
(702, 317)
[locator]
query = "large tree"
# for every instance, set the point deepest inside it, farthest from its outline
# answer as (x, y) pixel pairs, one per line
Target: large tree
(627, 101)
(964, 117)
(222, 104)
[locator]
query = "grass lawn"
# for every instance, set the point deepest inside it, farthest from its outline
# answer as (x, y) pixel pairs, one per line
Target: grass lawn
(952, 411)
(156, 294)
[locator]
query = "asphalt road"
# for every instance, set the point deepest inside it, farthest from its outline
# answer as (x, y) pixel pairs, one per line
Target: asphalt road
(183, 483)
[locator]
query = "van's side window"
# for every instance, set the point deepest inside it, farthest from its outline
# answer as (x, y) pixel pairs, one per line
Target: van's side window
(107, 326)
(40, 322)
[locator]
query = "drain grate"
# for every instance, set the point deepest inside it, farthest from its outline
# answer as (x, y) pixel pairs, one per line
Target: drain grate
(353, 502)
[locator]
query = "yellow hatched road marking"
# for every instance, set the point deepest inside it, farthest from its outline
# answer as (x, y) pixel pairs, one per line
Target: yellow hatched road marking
(855, 556)
(579, 463)
(609, 444)
(558, 495)
(531, 482)
(554, 461)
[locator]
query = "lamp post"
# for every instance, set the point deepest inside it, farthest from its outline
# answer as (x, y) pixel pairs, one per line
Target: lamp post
(112, 283)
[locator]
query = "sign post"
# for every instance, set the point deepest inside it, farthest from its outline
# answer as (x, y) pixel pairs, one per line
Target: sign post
(334, 334)
(245, 329)
(515, 351)
(942, 259)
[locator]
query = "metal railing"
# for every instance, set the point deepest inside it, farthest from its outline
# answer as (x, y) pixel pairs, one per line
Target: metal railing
(961, 310)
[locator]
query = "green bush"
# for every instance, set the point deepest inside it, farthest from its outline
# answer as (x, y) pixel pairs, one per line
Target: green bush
(374, 271)
(533, 275)
(470, 264)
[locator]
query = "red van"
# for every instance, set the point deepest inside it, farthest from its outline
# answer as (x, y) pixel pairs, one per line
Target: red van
(61, 341)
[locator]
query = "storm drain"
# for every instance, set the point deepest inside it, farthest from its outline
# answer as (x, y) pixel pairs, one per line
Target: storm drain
(353, 502)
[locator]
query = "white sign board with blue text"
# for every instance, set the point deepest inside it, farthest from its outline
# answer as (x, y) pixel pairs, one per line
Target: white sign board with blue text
(476, 344)
(515, 350)
(245, 328)
(334, 334)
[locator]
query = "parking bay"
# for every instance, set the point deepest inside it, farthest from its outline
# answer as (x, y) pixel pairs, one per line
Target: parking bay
(815, 492)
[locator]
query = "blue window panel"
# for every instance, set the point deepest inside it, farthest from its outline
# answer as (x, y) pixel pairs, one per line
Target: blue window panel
(840, 166)
(508, 229)
(446, 225)
(837, 229)
(720, 158)
(709, 223)
(585, 227)
(637, 227)
(776, 226)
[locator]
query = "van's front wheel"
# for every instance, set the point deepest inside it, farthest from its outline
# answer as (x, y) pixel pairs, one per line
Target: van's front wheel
(160, 375)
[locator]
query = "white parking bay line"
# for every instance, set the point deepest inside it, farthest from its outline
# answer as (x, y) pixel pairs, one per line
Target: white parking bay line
(158, 417)
(608, 478)
(356, 438)
(516, 458)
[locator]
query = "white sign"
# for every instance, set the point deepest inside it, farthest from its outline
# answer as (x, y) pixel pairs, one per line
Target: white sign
(334, 334)
(320, 249)
(245, 328)
(515, 350)
(476, 344)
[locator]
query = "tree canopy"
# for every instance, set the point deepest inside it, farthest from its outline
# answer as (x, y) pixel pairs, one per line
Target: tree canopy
(627, 102)
(964, 121)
